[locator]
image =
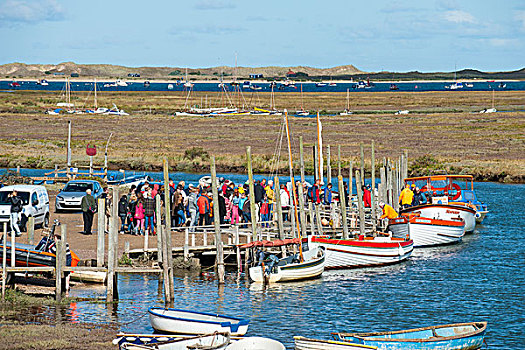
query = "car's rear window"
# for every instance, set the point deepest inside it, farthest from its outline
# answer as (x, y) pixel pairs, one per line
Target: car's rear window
(78, 187)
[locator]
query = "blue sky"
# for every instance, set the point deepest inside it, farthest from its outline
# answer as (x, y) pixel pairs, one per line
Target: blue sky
(372, 35)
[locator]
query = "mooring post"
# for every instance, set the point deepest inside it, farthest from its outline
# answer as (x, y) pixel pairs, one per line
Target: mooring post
(405, 174)
(165, 268)
(63, 238)
(31, 230)
(158, 215)
(316, 163)
(301, 157)
(114, 219)
(350, 183)
(279, 208)
(318, 219)
(126, 248)
(312, 223)
(373, 192)
(13, 244)
(146, 242)
(360, 203)
(338, 160)
(302, 214)
(238, 249)
(217, 221)
(4, 260)
(362, 155)
(111, 262)
(395, 187)
(328, 165)
(252, 192)
(342, 201)
(58, 271)
(100, 232)
(186, 244)
(167, 236)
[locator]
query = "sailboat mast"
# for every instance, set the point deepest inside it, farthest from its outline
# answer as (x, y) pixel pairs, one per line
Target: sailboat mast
(320, 148)
(294, 192)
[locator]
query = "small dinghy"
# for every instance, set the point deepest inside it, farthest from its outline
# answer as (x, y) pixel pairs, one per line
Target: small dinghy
(192, 322)
(214, 341)
(256, 343)
(302, 343)
(458, 336)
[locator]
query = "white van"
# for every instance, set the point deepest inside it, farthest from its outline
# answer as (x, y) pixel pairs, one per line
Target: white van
(36, 204)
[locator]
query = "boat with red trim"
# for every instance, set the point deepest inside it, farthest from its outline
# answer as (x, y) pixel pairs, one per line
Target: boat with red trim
(459, 189)
(362, 251)
(445, 211)
(427, 232)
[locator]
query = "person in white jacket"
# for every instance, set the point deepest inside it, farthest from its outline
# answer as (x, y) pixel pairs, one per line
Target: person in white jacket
(285, 202)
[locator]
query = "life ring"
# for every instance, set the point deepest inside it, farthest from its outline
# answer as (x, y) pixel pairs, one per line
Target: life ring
(452, 187)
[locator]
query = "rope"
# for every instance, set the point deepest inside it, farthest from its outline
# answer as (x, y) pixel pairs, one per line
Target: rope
(133, 321)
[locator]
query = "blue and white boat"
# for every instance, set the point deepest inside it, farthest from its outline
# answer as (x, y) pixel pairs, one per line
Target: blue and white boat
(129, 181)
(215, 341)
(193, 322)
(458, 336)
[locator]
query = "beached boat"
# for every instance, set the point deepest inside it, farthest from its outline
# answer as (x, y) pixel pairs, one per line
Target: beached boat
(401, 112)
(459, 336)
(347, 109)
(129, 181)
(458, 190)
(256, 343)
(89, 276)
(213, 341)
(286, 270)
(193, 322)
(363, 251)
(427, 232)
(302, 343)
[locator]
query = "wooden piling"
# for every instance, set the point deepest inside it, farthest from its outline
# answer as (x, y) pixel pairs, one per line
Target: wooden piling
(318, 219)
(338, 160)
(373, 192)
(342, 201)
(405, 173)
(4, 260)
(112, 256)
(302, 213)
(167, 237)
(350, 183)
(252, 192)
(316, 164)
(279, 208)
(301, 155)
(238, 249)
(219, 262)
(63, 262)
(312, 223)
(328, 165)
(360, 202)
(382, 188)
(158, 214)
(58, 271)
(362, 155)
(31, 230)
(100, 232)
(13, 244)
(186, 249)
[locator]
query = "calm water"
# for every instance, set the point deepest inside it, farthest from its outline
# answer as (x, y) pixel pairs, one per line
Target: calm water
(479, 279)
(307, 87)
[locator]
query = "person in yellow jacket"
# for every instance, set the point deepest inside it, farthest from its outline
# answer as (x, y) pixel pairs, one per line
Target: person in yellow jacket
(271, 198)
(388, 211)
(406, 196)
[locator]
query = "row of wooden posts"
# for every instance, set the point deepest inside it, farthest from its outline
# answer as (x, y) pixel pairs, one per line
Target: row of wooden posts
(391, 174)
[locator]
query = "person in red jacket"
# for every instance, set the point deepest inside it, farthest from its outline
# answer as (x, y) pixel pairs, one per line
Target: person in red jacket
(367, 197)
(204, 209)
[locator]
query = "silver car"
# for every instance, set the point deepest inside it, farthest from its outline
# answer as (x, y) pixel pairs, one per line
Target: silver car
(70, 197)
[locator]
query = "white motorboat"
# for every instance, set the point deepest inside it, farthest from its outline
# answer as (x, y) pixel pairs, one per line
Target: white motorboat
(256, 343)
(401, 112)
(117, 83)
(362, 251)
(193, 322)
(428, 232)
(286, 270)
(43, 82)
(446, 212)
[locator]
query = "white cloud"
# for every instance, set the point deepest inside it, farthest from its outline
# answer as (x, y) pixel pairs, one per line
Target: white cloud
(458, 16)
(500, 42)
(520, 17)
(31, 11)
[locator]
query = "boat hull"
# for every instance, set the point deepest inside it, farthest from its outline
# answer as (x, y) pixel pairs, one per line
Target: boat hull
(353, 253)
(27, 256)
(312, 267)
(427, 232)
(189, 322)
(256, 343)
(150, 341)
(302, 343)
(446, 212)
(460, 336)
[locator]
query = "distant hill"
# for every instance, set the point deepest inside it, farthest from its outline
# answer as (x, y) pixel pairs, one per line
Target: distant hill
(22, 70)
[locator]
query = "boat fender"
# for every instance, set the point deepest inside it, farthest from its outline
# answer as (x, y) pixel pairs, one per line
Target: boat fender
(408, 236)
(478, 215)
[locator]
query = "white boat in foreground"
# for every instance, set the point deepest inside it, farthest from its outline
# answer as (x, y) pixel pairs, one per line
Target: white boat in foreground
(256, 343)
(428, 232)
(215, 341)
(302, 343)
(312, 266)
(368, 251)
(446, 212)
(192, 322)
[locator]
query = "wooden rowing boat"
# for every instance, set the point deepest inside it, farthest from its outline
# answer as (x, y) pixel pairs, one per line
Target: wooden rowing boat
(214, 341)
(256, 343)
(427, 232)
(458, 336)
(193, 322)
(302, 343)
